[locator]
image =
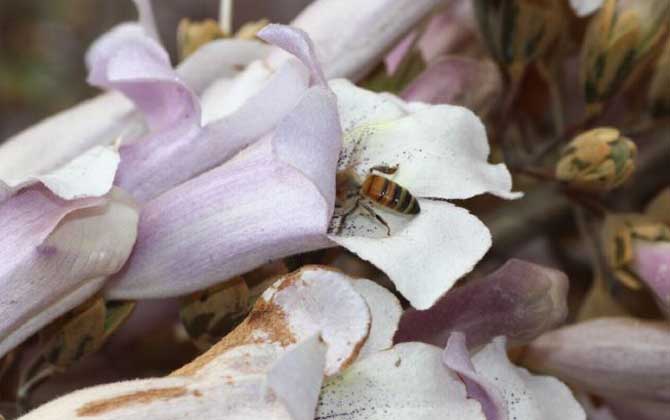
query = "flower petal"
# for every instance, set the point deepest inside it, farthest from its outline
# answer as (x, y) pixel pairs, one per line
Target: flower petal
(528, 397)
(519, 300)
(405, 382)
(298, 43)
(385, 311)
(441, 151)
(270, 201)
(88, 175)
(652, 265)
(425, 259)
(56, 254)
(456, 80)
(457, 358)
(372, 26)
(618, 357)
(585, 7)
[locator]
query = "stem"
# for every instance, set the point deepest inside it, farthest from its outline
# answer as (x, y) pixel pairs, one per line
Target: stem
(226, 16)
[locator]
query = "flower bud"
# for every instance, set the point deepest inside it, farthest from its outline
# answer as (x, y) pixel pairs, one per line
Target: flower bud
(610, 357)
(519, 32)
(193, 35)
(210, 314)
(598, 160)
(619, 44)
(659, 90)
(623, 234)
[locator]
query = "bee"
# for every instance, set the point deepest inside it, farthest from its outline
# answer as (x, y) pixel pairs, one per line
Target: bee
(379, 190)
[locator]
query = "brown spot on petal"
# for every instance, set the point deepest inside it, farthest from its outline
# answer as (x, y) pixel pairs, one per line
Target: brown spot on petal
(95, 408)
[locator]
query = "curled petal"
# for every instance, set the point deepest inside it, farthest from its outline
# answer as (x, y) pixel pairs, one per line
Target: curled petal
(385, 311)
(405, 382)
(619, 357)
(269, 202)
(520, 300)
(457, 358)
(298, 43)
(56, 254)
(372, 28)
(88, 175)
(441, 151)
(527, 396)
(429, 254)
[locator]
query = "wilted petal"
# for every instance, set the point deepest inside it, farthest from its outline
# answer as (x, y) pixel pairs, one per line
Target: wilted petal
(457, 358)
(311, 301)
(455, 80)
(519, 300)
(56, 254)
(88, 175)
(621, 357)
(652, 265)
(385, 311)
(441, 151)
(405, 382)
(372, 27)
(270, 201)
(528, 397)
(428, 255)
(585, 7)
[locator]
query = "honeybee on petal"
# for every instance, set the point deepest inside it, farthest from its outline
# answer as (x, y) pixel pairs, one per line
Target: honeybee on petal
(377, 189)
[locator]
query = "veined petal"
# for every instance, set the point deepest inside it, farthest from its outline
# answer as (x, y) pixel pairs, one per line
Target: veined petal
(372, 27)
(428, 255)
(270, 201)
(405, 382)
(617, 357)
(56, 254)
(528, 397)
(457, 358)
(88, 175)
(298, 43)
(520, 300)
(441, 151)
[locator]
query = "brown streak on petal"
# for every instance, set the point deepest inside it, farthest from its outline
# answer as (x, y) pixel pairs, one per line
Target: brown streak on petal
(95, 408)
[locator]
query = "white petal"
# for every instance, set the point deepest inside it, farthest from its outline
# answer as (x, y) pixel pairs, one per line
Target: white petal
(385, 311)
(406, 382)
(62, 137)
(424, 260)
(44, 278)
(297, 376)
(585, 7)
(528, 397)
(441, 151)
(91, 174)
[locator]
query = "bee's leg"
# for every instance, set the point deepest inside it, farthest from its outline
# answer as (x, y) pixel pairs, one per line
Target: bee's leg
(385, 169)
(348, 213)
(378, 217)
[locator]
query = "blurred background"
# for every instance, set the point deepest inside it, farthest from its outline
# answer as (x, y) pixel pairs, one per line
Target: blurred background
(42, 46)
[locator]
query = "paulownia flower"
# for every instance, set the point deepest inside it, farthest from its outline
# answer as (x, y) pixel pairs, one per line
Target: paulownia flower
(445, 159)
(638, 248)
(311, 323)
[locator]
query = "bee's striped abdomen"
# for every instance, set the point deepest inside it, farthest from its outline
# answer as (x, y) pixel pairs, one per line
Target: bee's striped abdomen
(389, 194)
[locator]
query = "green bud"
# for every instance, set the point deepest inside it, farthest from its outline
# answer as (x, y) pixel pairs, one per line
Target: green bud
(618, 46)
(597, 160)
